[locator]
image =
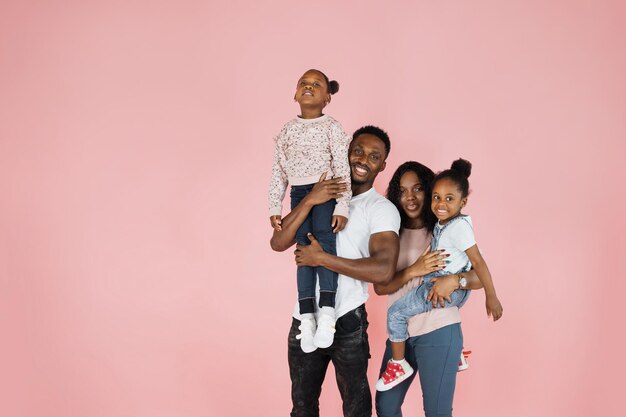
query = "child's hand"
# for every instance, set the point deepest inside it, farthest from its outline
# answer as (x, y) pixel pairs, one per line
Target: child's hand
(276, 222)
(338, 223)
(494, 308)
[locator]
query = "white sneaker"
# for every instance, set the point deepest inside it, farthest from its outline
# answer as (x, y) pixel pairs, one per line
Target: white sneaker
(325, 333)
(307, 331)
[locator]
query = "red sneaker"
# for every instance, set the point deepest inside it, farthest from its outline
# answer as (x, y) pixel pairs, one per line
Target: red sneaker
(463, 364)
(395, 373)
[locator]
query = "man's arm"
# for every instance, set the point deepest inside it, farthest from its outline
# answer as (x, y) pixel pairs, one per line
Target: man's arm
(427, 262)
(283, 239)
(399, 280)
(323, 191)
(378, 268)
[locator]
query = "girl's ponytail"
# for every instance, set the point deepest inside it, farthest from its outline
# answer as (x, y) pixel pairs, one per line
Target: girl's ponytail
(333, 87)
(462, 166)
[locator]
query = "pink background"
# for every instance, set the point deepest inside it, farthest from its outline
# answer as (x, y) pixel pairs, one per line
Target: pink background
(136, 277)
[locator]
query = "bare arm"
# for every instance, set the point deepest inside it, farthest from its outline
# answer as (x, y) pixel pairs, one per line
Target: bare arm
(427, 262)
(493, 306)
(444, 285)
(284, 238)
(400, 278)
(323, 191)
(378, 268)
(480, 266)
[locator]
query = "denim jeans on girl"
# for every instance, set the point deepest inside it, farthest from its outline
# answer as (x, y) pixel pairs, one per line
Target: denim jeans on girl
(415, 302)
(318, 222)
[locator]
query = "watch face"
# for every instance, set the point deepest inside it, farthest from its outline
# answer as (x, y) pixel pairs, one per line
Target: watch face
(463, 282)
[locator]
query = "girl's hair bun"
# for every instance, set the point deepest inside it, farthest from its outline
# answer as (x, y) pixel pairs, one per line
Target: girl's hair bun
(333, 87)
(462, 166)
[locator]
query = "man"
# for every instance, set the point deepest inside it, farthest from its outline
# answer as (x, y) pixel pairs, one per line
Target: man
(367, 252)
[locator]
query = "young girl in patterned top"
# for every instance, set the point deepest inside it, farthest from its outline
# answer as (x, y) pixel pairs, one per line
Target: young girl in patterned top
(309, 146)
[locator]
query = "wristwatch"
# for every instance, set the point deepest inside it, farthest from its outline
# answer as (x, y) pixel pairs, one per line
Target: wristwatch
(462, 281)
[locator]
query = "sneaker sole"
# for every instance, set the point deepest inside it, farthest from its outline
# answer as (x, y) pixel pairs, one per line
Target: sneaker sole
(307, 350)
(395, 383)
(308, 346)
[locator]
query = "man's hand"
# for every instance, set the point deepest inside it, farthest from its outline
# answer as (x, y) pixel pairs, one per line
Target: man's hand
(309, 255)
(441, 290)
(276, 222)
(325, 190)
(339, 223)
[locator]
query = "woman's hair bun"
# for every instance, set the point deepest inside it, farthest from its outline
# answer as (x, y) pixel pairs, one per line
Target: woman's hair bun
(333, 87)
(462, 166)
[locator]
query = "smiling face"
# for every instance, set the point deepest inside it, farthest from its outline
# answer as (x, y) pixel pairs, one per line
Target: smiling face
(367, 158)
(412, 197)
(447, 200)
(312, 93)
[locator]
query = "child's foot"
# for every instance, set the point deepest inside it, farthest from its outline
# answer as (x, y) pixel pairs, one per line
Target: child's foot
(307, 331)
(395, 373)
(325, 333)
(463, 363)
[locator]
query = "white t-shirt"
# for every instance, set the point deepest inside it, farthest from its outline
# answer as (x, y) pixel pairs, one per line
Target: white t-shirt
(370, 213)
(456, 239)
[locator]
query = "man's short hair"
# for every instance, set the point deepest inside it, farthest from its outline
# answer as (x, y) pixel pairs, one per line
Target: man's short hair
(376, 131)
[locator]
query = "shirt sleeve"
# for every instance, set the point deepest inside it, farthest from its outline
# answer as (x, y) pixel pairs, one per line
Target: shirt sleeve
(279, 179)
(384, 217)
(462, 235)
(339, 143)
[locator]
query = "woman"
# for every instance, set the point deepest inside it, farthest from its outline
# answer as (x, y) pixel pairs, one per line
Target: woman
(436, 340)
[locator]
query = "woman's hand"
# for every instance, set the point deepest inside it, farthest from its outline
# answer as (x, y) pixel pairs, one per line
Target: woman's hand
(428, 262)
(441, 290)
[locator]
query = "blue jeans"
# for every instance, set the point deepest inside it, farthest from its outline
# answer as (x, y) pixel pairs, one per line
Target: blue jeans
(317, 222)
(349, 353)
(415, 303)
(435, 357)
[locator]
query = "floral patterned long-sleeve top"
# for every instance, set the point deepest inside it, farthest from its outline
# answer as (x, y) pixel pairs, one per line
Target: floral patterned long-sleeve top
(304, 150)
